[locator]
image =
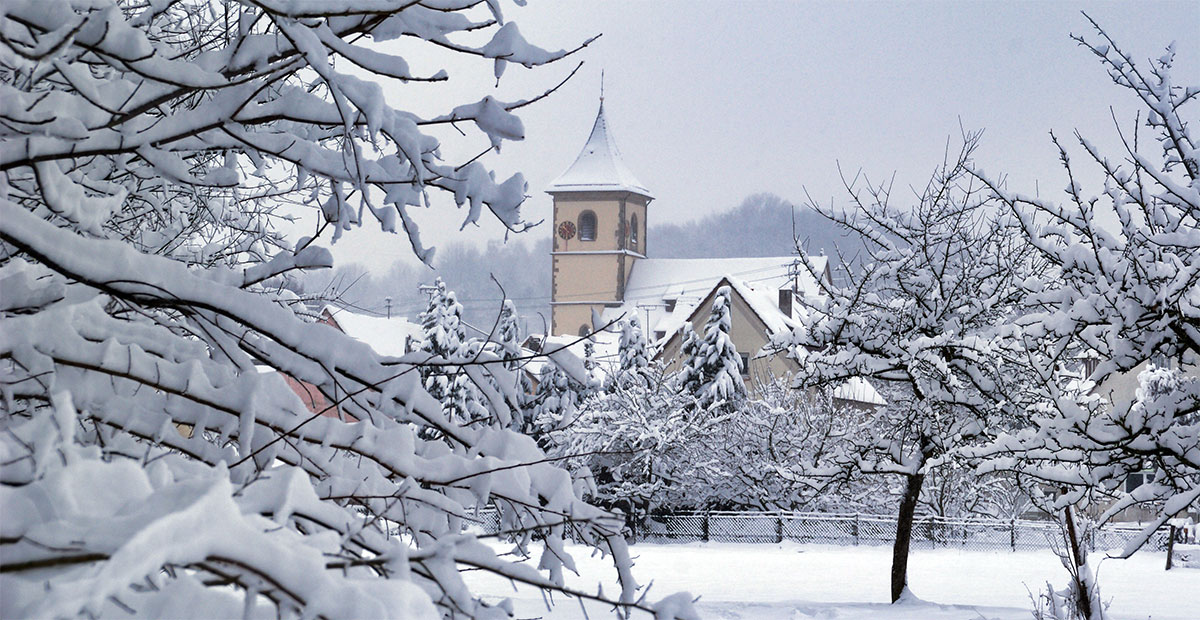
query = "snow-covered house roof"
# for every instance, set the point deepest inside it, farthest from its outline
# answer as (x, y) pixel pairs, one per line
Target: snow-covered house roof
(764, 304)
(665, 291)
(388, 336)
(599, 166)
(859, 390)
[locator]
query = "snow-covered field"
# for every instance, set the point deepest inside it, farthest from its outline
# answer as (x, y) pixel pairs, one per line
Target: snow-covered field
(796, 582)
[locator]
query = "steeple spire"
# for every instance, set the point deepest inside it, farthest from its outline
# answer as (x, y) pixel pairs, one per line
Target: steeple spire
(599, 166)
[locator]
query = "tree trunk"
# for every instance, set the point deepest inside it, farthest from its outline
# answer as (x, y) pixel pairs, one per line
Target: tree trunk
(904, 524)
(1082, 573)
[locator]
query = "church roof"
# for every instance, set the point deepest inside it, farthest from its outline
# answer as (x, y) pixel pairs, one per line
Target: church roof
(599, 167)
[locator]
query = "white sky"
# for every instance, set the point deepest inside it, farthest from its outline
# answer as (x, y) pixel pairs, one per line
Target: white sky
(711, 101)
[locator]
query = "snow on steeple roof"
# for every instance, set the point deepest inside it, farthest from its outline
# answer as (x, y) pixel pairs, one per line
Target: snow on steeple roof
(599, 167)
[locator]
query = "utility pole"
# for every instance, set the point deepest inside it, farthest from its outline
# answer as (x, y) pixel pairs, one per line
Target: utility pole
(388, 301)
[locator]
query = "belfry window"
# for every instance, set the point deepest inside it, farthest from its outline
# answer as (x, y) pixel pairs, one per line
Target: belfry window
(587, 226)
(633, 232)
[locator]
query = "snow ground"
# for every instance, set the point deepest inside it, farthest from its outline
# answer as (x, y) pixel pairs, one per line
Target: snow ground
(797, 582)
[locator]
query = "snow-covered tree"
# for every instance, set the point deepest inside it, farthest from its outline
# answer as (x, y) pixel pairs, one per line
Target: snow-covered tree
(634, 352)
(712, 368)
(760, 454)
(152, 465)
(555, 402)
(638, 442)
(441, 323)
(922, 319)
(445, 340)
(508, 341)
(1125, 289)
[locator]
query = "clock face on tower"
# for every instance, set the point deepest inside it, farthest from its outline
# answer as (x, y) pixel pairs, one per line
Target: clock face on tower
(566, 230)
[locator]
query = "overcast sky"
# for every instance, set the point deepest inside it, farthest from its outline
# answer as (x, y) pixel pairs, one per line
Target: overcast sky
(713, 101)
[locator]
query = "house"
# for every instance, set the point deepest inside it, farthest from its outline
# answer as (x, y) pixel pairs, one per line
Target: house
(391, 337)
(602, 273)
(1120, 390)
(757, 316)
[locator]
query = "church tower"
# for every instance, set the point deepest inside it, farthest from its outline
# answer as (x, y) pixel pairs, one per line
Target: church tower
(599, 232)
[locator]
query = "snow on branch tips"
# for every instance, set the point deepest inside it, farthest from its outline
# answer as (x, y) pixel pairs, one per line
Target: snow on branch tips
(155, 459)
(1116, 317)
(922, 319)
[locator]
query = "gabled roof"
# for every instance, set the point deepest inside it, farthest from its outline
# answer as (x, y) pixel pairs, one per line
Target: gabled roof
(775, 322)
(687, 281)
(766, 310)
(599, 167)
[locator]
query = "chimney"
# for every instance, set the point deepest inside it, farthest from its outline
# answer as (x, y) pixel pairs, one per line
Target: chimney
(785, 301)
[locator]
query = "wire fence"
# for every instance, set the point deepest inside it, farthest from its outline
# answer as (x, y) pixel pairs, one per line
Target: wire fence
(865, 529)
(861, 529)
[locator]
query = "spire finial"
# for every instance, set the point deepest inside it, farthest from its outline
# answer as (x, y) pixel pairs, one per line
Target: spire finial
(602, 87)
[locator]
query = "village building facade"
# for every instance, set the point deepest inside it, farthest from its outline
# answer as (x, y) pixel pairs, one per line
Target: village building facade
(602, 273)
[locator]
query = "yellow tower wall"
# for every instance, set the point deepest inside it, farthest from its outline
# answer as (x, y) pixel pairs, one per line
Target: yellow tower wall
(594, 270)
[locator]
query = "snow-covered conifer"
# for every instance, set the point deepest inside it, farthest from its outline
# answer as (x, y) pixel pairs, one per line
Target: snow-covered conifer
(635, 355)
(712, 368)
(555, 403)
(508, 335)
(445, 340)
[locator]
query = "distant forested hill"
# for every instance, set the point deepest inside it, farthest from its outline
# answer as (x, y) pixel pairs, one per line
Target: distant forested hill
(762, 225)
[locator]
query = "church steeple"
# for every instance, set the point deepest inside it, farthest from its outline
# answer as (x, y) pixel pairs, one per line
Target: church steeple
(599, 231)
(599, 166)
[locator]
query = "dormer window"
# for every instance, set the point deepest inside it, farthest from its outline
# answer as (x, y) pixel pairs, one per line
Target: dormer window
(670, 304)
(587, 226)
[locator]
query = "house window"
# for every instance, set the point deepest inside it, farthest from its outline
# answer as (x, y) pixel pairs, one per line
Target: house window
(587, 226)
(633, 232)
(669, 304)
(745, 363)
(1137, 479)
(785, 301)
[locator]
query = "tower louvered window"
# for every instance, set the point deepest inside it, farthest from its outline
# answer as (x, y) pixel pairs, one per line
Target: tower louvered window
(587, 226)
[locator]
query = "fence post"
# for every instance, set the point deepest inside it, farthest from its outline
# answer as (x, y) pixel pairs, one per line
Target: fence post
(704, 528)
(779, 526)
(855, 529)
(1012, 533)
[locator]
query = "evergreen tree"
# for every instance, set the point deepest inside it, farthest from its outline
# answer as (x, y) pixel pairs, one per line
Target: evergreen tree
(712, 370)
(509, 336)
(555, 404)
(594, 383)
(445, 338)
(634, 352)
(441, 323)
